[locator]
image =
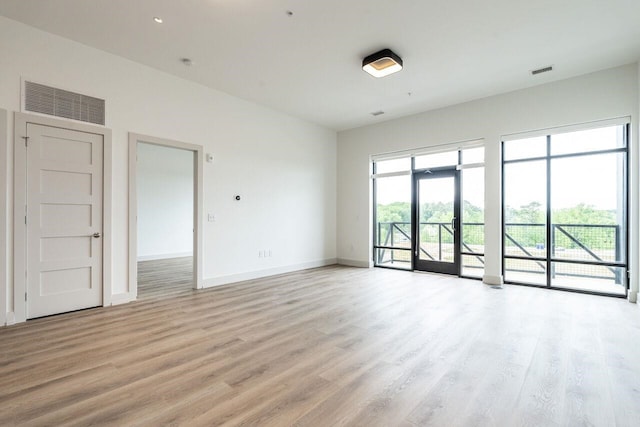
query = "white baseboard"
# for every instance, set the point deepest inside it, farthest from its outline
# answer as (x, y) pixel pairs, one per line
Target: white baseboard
(123, 298)
(241, 277)
(355, 263)
(633, 297)
(164, 256)
(493, 280)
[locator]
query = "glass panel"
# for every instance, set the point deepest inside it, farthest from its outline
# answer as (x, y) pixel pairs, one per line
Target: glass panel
(435, 212)
(473, 210)
(393, 217)
(525, 271)
(449, 158)
(588, 140)
(525, 208)
(594, 278)
(525, 148)
(395, 234)
(588, 199)
(473, 155)
(393, 258)
(395, 165)
(472, 265)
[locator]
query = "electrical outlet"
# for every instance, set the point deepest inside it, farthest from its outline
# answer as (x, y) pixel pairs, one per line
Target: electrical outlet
(270, 253)
(211, 217)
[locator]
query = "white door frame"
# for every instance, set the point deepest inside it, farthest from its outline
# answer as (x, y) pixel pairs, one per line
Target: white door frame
(198, 198)
(4, 193)
(20, 201)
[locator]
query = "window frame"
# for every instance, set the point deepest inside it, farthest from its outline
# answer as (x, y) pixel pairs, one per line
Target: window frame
(548, 259)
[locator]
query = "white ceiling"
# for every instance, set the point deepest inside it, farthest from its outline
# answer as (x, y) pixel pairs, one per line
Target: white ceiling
(309, 64)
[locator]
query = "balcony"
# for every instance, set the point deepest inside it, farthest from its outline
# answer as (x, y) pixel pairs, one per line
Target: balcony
(587, 257)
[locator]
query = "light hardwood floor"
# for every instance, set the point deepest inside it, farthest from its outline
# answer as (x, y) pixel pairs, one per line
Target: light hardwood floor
(331, 346)
(165, 277)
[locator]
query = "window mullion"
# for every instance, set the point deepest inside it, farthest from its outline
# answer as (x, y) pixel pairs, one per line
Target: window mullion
(549, 228)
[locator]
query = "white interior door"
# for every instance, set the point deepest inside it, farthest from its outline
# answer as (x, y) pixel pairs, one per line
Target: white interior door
(64, 220)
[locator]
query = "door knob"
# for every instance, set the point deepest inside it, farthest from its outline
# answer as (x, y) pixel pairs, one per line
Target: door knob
(96, 235)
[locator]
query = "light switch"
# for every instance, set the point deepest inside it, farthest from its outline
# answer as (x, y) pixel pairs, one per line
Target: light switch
(212, 217)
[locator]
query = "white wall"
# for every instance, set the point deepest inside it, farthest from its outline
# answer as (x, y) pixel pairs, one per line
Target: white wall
(602, 95)
(285, 168)
(165, 181)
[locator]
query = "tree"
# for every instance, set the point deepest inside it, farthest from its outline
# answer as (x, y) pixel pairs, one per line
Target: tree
(530, 214)
(584, 214)
(471, 212)
(394, 212)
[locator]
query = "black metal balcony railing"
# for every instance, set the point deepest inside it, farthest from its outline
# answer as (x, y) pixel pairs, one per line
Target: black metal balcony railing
(597, 246)
(436, 243)
(594, 244)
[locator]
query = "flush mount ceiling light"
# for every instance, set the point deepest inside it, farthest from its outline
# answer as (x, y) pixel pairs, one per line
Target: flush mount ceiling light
(157, 20)
(382, 63)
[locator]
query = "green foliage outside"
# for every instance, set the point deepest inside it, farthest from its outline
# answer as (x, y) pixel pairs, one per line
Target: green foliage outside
(400, 212)
(527, 236)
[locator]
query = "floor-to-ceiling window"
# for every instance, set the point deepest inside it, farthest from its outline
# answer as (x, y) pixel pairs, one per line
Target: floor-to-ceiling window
(472, 250)
(417, 211)
(565, 209)
(392, 213)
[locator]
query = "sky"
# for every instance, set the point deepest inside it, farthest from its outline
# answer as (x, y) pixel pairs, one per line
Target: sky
(591, 179)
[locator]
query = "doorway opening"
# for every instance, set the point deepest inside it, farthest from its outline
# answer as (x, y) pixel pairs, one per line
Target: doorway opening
(437, 239)
(165, 195)
(165, 220)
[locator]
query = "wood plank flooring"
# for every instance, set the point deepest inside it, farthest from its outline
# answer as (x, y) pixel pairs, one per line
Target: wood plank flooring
(165, 277)
(330, 346)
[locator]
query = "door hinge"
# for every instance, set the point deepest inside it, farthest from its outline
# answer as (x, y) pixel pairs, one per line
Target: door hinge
(26, 141)
(25, 296)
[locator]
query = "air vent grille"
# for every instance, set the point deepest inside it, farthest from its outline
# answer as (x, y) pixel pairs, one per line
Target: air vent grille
(62, 103)
(542, 70)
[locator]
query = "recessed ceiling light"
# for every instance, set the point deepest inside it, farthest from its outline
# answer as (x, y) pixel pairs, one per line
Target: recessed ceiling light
(157, 20)
(186, 61)
(382, 63)
(377, 113)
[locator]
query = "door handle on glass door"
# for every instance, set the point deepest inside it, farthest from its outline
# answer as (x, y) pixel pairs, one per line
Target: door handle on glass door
(453, 224)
